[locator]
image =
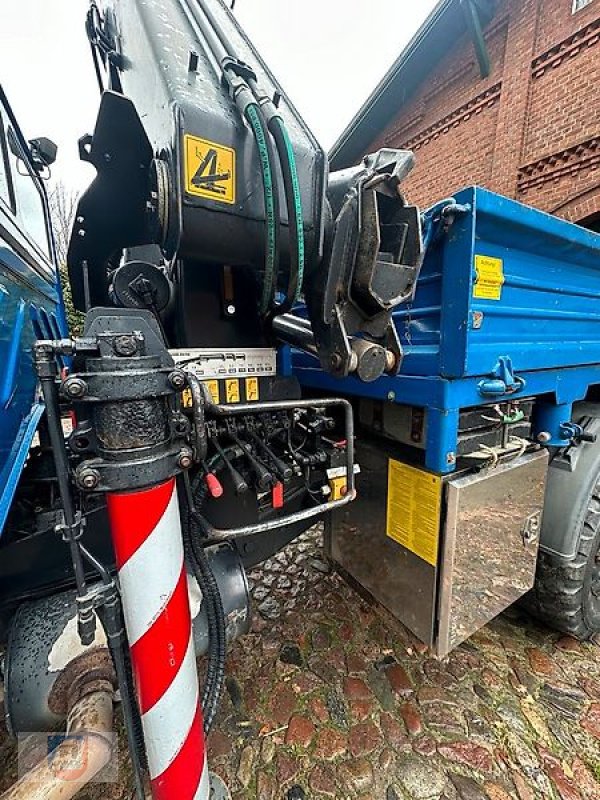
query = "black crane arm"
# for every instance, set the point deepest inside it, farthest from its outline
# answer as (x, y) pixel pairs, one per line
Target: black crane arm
(200, 153)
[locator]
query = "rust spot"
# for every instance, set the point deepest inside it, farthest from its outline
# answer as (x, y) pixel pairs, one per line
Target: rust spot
(91, 671)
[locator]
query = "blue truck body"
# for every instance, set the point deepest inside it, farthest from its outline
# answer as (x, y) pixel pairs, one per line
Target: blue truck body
(506, 307)
(31, 302)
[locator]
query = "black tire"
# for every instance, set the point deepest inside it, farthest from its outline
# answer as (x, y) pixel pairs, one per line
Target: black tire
(566, 595)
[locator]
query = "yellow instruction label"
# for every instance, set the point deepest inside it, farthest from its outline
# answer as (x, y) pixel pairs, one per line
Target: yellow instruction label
(209, 170)
(489, 278)
(213, 388)
(413, 510)
(232, 390)
(187, 399)
(251, 389)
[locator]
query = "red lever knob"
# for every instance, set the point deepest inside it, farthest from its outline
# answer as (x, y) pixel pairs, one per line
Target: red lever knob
(277, 495)
(213, 484)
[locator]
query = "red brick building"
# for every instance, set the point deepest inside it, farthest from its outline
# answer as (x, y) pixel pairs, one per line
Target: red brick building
(501, 93)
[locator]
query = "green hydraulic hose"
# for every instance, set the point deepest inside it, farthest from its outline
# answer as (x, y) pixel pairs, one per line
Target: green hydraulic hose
(294, 206)
(254, 118)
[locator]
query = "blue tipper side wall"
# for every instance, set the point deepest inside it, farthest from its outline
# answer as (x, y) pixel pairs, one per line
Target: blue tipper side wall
(31, 307)
(507, 306)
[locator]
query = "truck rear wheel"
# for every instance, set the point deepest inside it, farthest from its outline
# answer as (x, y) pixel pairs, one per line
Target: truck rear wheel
(566, 594)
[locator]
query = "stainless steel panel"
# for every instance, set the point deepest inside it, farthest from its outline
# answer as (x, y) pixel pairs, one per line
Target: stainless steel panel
(356, 540)
(490, 544)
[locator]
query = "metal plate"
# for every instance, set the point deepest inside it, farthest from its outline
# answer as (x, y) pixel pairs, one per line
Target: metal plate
(356, 541)
(490, 544)
(223, 363)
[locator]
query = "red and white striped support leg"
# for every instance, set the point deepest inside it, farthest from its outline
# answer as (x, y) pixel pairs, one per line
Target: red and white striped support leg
(146, 532)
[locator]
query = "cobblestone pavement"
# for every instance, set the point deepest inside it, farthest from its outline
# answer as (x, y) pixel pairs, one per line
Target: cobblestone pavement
(328, 697)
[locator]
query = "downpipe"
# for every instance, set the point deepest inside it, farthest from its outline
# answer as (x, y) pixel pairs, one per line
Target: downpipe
(45, 658)
(86, 749)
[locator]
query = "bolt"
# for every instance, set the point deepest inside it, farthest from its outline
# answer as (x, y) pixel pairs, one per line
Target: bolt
(88, 479)
(231, 309)
(74, 387)
(335, 360)
(81, 233)
(391, 396)
(125, 345)
(544, 437)
(451, 458)
(185, 460)
(177, 379)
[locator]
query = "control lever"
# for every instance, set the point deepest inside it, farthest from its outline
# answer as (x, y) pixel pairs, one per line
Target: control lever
(284, 470)
(264, 478)
(213, 484)
(239, 482)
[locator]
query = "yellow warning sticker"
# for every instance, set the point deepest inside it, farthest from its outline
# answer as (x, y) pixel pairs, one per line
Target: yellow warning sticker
(251, 389)
(209, 170)
(489, 278)
(187, 399)
(232, 390)
(413, 510)
(213, 388)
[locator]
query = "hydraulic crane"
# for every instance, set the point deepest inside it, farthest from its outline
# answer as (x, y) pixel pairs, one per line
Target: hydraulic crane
(255, 325)
(192, 455)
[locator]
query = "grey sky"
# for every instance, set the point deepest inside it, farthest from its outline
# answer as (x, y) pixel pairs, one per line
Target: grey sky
(327, 54)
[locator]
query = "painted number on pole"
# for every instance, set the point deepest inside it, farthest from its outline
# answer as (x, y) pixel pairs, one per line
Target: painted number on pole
(413, 510)
(209, 170)
(489, 278)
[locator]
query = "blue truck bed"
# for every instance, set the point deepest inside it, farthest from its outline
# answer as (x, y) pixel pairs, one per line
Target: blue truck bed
(506, 306)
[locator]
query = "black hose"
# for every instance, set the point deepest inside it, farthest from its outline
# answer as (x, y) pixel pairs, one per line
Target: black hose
(209, 585)
(200, 436)
(215, 614)
(215, 669)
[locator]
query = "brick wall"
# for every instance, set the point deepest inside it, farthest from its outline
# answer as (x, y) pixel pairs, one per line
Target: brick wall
(531, 130)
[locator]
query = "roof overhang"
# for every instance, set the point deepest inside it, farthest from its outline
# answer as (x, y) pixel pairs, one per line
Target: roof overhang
(449, 21)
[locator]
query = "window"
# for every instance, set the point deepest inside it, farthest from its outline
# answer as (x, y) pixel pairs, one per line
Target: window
(30, 210)
(579, 4)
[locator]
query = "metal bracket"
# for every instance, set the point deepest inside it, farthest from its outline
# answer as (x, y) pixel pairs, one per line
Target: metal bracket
(502, 380)
(71, 532)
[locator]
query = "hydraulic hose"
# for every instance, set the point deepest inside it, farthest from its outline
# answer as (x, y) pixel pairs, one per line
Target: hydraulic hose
(215, 672)
(293, 199)
(224, 51)
(212, 693)
(255, 119)
(200, 437)
(215, 614)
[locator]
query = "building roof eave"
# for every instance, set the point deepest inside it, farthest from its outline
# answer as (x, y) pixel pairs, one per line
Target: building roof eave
(446, 23)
